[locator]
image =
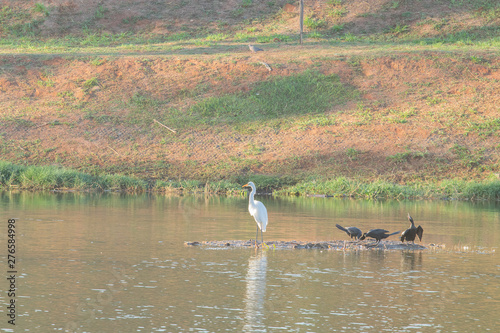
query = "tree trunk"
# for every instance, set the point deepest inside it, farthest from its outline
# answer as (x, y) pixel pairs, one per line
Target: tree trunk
(301, 19)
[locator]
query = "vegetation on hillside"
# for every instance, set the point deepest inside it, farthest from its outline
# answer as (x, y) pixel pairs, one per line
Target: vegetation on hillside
(140, 95)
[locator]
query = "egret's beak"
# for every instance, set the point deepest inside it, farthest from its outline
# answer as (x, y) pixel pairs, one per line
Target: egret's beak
(246, 185)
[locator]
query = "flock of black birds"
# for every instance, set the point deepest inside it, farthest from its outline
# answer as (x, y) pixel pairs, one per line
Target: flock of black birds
(408, 235)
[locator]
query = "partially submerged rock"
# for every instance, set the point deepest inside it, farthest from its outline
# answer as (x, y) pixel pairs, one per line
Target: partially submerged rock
(322, 245)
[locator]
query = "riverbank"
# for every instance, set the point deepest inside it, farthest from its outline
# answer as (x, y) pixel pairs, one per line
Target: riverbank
(395, 101)
(52, 178)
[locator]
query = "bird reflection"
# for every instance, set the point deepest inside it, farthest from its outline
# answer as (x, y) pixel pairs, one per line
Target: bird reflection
(411, 260)
(256, 292)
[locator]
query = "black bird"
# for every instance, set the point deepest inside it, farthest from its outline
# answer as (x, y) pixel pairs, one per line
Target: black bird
(377, 234)
(353, 232)
(410, 233)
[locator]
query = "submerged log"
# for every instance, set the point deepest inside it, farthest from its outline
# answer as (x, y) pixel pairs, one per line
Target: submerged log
(322, 245)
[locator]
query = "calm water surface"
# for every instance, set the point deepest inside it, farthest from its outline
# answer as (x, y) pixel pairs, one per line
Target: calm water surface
(117, 263)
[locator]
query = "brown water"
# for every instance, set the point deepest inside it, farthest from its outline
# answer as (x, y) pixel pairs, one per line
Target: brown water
(117, 263)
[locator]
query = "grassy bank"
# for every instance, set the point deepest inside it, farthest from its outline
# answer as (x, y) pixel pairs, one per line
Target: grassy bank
(14, 176)
(393, 99)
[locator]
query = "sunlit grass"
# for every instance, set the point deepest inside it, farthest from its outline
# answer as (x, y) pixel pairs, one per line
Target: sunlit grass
(306, 93)
(53, 178)
(56, 178)
(448, 189)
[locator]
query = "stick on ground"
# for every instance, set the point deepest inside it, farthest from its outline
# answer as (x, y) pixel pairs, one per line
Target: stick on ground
(174, 131)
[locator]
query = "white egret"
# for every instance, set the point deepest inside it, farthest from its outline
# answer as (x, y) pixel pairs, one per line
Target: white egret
(258, 211)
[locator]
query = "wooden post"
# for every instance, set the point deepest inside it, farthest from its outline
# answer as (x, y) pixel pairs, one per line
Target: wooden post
(301, 19)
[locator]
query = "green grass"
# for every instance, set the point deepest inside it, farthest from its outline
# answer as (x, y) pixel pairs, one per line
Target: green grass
(406, 156)
(352, 153)
(57, 178)
(485, 129)
(299, 101)
(92, 82)
(449, 189)
(20, 28)
(279, 99)
(309, 92)
(51, 178)
(313, 23)
(469, 159)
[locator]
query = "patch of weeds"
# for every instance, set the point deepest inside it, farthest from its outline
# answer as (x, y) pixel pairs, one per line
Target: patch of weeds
(216, 37)
(254, 150)
(365, 115)
(440, 24)
(315, 34)
(246, 3)
(272, 38)
(222, 24)
(145, 108)
(469, 159)
(100, 12)
(25, 29)
(49, 150)
(241, 37)
(367, 15)
(477, 60)
(352, 153)
(204, 43)
(23, 122)
(401, 117)
(47, 82)
(41, 8)
(405, 157)
(349, 37)
(65, 94)
(238, 12)
(433, 101)
(486, 128)
(132, 19)
(180, 4)
(312, 23)
(143, 100)
(320, 120)
(354, 62)
(97, 61)
(337, 28)
(91, 83)
(338, 12)
(394, 4)
(399, 29)
(179, 36)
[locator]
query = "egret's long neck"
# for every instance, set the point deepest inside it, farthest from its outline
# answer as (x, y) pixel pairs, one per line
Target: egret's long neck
(251, 196)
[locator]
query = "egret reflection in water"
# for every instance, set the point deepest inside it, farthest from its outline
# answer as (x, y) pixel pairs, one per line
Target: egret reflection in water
(255, 293)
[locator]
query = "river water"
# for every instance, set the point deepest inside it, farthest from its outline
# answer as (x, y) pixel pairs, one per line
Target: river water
(117, 263)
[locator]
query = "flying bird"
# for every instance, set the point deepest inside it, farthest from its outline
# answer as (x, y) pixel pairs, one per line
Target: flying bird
(258, 211)
(353, 232)
(410, 233)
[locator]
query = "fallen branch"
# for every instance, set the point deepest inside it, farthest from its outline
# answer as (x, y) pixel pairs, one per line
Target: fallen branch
(42, 125)
(156, 121)
(267, 66)
(114, 150)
